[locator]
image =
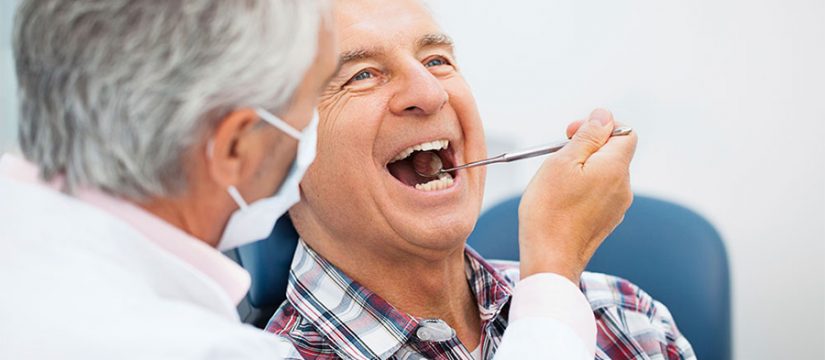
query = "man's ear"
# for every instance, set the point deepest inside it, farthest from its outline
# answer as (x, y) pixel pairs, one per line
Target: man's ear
(232, 155)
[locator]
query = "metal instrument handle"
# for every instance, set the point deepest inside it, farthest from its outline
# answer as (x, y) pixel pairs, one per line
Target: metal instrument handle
(528, 153)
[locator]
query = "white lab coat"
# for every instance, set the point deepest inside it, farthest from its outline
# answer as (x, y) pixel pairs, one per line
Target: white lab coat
(78, 283)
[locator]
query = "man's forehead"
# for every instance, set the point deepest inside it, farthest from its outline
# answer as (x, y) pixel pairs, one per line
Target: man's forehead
(376, 21)
(349, 12)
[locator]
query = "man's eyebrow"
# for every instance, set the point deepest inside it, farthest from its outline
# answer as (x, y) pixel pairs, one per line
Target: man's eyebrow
(357, 54)
(436, 39)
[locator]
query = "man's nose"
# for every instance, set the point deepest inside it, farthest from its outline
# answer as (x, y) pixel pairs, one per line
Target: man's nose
(419, 93)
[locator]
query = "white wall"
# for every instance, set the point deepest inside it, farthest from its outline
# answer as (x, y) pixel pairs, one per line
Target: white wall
(728, 98)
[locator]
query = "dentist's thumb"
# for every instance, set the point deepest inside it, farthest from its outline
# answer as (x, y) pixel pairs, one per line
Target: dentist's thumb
(590, 136)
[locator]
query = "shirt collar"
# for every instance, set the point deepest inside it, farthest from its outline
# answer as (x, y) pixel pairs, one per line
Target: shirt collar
(232, 278)
(360, 323)
(492, 291)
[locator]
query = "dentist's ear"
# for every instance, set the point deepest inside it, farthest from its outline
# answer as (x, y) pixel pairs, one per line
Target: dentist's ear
(235, 149)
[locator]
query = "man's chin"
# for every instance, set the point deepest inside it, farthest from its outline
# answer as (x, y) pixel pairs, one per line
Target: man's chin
(438, 233)
(435, 220)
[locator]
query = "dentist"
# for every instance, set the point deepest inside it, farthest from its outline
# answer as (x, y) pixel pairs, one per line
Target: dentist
(154, 134)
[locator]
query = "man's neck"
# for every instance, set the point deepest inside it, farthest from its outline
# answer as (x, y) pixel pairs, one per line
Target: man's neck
(435, 287)
(195, 213)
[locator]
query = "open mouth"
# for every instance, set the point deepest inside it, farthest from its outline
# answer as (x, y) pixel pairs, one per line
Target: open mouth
(424, 158)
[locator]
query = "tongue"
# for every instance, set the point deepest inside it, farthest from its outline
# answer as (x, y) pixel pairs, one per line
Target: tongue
(427, 163)
(404, 171)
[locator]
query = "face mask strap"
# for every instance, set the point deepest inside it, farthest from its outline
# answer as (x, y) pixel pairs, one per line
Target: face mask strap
(233, 192)
(278, 123)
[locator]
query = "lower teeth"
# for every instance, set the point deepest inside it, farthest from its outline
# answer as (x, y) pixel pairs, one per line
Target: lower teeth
(444, 181)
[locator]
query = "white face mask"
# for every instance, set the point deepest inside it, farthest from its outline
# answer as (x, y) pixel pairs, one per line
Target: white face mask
(253, 222)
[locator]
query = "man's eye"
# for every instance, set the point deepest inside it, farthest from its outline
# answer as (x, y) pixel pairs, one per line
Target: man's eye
(363, 75)
(436, 62)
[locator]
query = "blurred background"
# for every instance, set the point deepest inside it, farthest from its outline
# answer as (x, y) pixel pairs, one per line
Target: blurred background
(728, 98)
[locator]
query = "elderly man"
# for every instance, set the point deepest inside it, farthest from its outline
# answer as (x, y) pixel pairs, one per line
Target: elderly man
(145, 126)
(382, 270)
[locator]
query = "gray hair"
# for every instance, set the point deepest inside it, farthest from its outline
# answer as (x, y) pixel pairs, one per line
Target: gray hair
(114, 93)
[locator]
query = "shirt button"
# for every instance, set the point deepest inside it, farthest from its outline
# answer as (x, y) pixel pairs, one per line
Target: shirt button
(434, 330)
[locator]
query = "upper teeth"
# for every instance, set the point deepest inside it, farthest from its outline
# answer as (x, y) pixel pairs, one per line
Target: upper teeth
(432, 145)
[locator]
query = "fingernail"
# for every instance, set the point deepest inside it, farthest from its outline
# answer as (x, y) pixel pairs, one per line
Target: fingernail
(600, 116)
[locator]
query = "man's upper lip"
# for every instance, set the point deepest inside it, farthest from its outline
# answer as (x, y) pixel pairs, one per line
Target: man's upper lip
(397, 150)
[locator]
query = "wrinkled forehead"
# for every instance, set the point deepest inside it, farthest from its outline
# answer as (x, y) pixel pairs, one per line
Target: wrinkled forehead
(373, 24)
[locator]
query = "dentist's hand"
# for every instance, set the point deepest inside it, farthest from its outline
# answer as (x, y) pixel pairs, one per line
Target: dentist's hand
(576, 199)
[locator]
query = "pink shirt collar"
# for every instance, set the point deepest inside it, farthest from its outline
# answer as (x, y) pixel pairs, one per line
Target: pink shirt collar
(231, 277)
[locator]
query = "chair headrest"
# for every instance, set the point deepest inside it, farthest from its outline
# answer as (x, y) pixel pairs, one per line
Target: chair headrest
(268, 262)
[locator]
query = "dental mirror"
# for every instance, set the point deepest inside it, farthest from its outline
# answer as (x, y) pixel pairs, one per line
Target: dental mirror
(428, 164)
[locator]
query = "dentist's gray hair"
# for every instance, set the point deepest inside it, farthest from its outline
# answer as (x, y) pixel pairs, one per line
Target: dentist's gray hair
(114, 93)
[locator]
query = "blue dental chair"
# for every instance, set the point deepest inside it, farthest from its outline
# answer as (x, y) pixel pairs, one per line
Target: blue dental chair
(671, 252)
(268, 264)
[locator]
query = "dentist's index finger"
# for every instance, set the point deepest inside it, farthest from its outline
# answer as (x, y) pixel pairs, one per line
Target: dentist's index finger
(589, 137)
(573, 127)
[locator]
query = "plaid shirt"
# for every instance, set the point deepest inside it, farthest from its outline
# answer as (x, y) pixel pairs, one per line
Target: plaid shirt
(327, 315)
